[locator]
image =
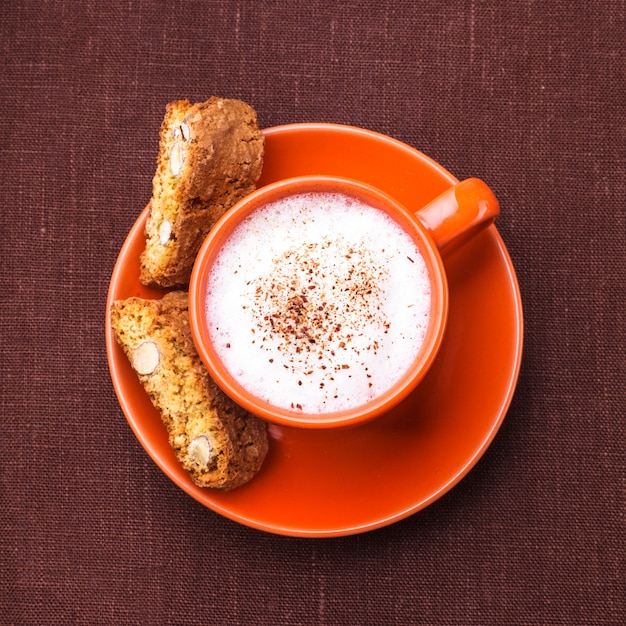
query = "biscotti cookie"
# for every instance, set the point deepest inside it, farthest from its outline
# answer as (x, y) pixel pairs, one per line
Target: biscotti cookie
(210, 156)
(219, 443)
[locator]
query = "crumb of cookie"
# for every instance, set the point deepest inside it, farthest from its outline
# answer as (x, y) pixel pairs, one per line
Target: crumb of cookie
(219, 443)
(210, 156)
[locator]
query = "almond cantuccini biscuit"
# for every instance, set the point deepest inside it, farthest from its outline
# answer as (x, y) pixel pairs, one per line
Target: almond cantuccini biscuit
(218, 442)
(210, 156)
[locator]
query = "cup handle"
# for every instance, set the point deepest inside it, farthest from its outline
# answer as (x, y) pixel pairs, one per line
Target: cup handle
(459, 213)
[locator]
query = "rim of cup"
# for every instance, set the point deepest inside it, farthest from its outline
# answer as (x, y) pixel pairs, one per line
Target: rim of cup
(371, 409)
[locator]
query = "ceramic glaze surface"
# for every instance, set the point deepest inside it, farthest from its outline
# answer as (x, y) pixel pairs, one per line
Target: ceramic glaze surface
(294, 493)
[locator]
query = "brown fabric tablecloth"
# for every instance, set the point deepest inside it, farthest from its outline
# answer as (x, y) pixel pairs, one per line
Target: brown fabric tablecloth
(529, 96)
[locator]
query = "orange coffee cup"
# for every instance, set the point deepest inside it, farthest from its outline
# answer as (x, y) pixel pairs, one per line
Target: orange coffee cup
(282, 304)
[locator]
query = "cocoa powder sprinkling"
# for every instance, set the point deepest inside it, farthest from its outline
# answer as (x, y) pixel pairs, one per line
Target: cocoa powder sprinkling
(298, 307)
(313, 298)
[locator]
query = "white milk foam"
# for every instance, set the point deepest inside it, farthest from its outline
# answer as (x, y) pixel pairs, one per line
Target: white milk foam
(318, 302)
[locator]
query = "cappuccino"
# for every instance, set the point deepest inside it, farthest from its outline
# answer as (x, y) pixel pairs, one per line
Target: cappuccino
(318, 302)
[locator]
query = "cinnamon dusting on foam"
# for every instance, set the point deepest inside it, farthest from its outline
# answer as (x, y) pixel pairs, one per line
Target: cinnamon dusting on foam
(318, 302)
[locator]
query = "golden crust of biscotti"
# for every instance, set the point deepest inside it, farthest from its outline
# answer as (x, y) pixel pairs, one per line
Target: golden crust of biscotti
(219, 443)
(210, 156)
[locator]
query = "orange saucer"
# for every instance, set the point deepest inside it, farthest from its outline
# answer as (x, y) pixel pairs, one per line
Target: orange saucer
(342, 482)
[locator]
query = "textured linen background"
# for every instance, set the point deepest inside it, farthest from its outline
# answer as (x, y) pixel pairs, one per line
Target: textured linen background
(528, 95)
